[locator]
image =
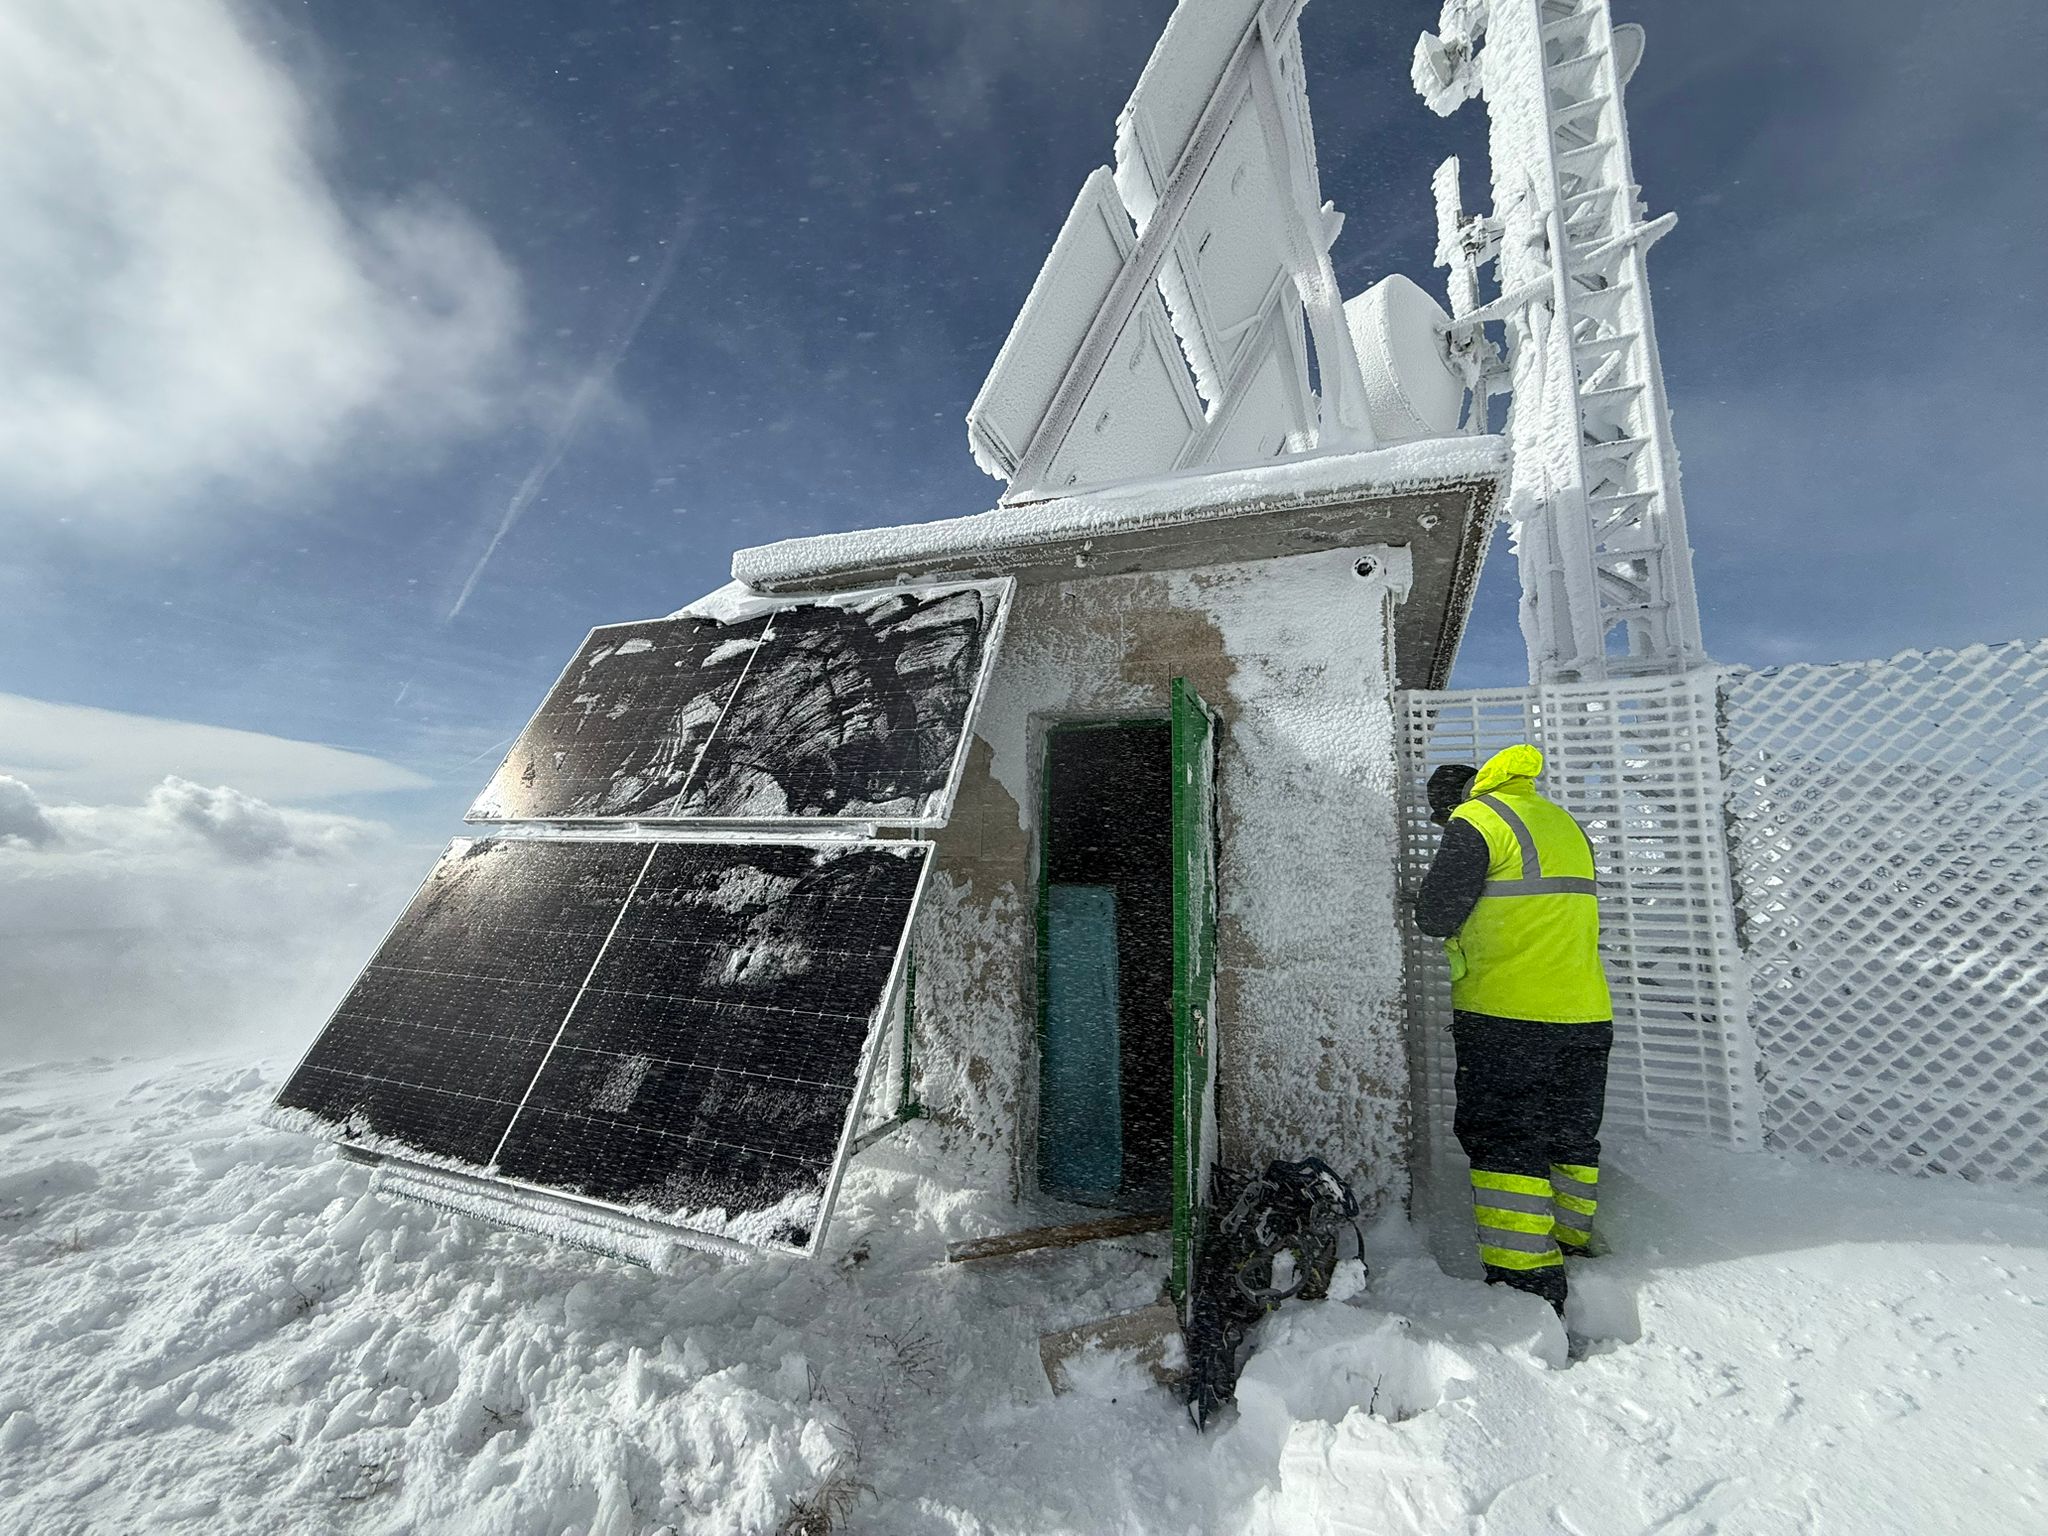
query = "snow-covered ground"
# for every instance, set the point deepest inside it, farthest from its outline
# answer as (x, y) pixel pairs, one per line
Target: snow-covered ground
(208, 1326)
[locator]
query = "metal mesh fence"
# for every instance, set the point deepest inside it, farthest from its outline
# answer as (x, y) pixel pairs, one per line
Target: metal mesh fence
(1889, 825)
(1636, 763)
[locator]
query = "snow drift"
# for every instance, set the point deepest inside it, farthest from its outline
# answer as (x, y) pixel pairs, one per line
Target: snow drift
(207, 1326)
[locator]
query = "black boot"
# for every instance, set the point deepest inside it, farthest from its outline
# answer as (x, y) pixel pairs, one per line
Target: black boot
(1547, 1282)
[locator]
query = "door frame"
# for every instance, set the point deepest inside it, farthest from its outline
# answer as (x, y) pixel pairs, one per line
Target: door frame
(1042, 917)
(1196, 729)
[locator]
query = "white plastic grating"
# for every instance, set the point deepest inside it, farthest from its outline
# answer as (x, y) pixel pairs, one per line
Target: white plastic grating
(1635, 762)
(1890, 827)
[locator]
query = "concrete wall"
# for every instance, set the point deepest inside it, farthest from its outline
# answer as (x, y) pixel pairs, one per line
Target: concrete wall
(1293, 654)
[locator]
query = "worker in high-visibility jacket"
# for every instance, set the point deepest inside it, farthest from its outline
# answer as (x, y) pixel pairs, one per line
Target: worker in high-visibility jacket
(1511, 893)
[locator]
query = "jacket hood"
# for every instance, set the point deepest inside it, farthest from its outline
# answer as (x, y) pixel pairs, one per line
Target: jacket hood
(1522, 762)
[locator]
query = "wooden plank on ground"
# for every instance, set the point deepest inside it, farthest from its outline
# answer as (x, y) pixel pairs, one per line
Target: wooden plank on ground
(1070, 1235)
(1151, 1335)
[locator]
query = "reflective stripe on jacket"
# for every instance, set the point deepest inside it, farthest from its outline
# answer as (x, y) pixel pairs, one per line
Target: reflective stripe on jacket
(1532, 944)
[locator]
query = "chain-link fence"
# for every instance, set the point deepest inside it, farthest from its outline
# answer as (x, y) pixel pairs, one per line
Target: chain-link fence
(1889, 826)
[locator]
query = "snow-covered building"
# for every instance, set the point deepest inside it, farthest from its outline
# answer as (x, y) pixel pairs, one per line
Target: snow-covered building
(1122, 751)
(1240, 513)
(1070, 828)
(1125, 750)
(1258, 619)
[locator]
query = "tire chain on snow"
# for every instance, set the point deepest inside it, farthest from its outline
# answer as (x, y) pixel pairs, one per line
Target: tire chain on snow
(1298, 1208)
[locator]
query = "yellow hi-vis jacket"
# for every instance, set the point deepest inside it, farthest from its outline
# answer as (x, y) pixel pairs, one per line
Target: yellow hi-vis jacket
(1531, 947)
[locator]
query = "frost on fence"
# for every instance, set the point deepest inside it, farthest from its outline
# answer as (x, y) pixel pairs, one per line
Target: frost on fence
(1890, 830)
(1635, 762)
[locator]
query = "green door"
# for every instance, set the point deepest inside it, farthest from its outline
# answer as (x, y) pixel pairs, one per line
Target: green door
(1194, 975)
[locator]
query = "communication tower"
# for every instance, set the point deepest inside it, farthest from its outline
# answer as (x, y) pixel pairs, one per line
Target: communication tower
(1599, 523)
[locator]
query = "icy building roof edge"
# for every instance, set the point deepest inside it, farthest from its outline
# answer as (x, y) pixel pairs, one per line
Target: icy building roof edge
(1435, 498)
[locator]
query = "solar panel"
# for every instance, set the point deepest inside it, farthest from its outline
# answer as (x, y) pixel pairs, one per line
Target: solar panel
(853, 708)
(434, 1046)
(713, 1062)
(679, 1030)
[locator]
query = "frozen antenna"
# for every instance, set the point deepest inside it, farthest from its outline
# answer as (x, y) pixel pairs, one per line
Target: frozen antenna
(1607, 588)
(1188, 316)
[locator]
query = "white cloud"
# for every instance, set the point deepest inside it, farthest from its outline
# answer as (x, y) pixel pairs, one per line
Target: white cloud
(189, 822)
(197, 919)
(22, 818)
(69, 752)
(185, 304)
(244, 829)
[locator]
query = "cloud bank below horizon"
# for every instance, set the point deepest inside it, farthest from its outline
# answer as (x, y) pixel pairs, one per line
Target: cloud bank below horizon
(202, 919)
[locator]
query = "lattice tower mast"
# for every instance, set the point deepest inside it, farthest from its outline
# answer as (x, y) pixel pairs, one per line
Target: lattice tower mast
(1599, 523)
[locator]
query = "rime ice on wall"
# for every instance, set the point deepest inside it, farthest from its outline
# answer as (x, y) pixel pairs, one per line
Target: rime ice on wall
(972, 1047)
(1312, 1056)
(1292, 653)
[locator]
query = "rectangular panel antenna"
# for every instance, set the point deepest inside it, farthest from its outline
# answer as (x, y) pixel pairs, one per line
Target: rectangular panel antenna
(1215, 161)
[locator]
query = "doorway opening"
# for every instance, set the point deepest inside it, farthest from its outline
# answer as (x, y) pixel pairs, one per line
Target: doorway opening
(1105, 973)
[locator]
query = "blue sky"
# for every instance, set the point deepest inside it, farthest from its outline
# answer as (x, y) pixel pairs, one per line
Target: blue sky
(306, 304)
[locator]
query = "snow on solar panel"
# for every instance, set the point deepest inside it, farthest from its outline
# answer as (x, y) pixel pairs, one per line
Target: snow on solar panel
(623, 727)
(679, 1030)
(852, 708)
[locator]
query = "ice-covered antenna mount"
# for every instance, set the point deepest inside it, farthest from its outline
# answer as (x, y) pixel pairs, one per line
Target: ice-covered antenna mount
(1594, 502)
(1171, 327)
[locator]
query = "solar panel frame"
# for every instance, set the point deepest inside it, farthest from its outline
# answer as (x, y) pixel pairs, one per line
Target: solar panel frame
(558, 1218)
(998, 592)
(526, 1201)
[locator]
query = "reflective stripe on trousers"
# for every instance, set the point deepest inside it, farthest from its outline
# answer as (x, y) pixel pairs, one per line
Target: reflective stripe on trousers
(1516, 1217)
(1575, 1196)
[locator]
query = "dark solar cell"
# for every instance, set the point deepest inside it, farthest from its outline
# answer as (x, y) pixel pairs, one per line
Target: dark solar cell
(713, 1061)
(437, 1041)
(852, 710)
(693, 1051)
(619, 734)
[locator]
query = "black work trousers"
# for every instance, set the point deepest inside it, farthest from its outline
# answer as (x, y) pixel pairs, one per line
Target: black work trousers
(1530, 1097)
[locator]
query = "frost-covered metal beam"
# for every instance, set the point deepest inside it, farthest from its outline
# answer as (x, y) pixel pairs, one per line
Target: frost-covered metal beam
(1594, 498)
